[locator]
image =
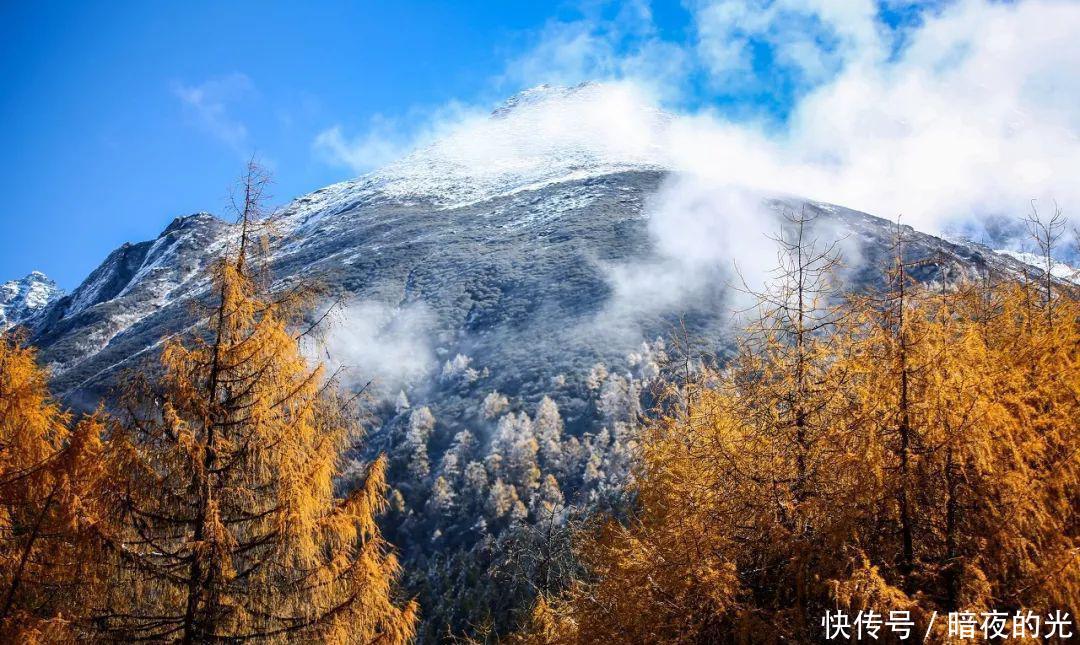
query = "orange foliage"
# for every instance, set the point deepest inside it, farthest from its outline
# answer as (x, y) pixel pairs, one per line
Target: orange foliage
(49, 511)
(961, 404)
(222, 480)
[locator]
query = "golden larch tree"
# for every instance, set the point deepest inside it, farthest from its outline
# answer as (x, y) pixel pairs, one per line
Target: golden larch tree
(49, 504)
(229, 528)
(945, 477)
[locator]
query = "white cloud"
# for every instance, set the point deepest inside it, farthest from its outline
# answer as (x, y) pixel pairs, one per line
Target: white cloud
(625, 47)
(368, 151)
(388, 138)
(808, 39)
(207, 104)
(971, 109)
(977, 112)
(372, 341)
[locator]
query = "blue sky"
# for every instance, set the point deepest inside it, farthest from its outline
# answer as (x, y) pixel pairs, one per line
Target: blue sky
(117, 117)
(100, 148)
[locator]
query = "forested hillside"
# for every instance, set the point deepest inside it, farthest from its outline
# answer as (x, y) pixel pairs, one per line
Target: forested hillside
(897, 433)
(913, 450)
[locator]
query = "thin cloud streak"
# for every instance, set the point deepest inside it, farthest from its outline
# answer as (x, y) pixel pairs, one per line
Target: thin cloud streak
(208, 104)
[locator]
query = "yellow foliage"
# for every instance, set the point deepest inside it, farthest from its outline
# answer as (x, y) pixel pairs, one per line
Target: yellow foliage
(221, 476)
(49, 507)
(934, 467)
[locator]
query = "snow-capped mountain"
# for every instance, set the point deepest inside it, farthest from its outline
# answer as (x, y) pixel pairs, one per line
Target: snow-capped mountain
(22, 299)
(533, 252)
(535, 241)
(526, 143)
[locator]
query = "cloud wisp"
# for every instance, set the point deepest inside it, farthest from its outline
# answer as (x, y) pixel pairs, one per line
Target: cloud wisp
(208, 106)
(388, 138)
(370, 341)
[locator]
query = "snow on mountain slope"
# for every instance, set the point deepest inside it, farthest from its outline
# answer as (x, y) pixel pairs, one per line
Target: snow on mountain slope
(1059, 270)
(536, 240)
(22, 299)
(134, 282)
(543, 135)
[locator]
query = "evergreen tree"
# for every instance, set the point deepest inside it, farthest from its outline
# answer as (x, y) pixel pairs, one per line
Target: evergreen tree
(548, 427)
(421, 425)
(514, 452)
(442, 496)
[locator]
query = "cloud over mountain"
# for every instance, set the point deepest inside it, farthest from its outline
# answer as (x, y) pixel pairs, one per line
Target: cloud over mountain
(945, 113)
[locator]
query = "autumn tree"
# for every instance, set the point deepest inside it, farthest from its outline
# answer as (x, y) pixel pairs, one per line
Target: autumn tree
(990, 483)
(785, 359)
(943, 476)
(227, 525)
(49, 511)
(779, 420)
(891, 357)
(1028, 465)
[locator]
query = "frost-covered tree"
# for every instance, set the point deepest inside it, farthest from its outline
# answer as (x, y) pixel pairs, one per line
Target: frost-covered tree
(442, 496)
(494, 405)
(475, 480)
(597, 375)
(502, 499)
(549, 496)
(421, 425)
(648, 360)
(514, 451)
(594, 460)
(548, 428)
(458, 369)
(457, 456)
(619, 399)
(401, 404)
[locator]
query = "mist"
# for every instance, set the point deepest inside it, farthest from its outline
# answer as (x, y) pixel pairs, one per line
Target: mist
(952, 121)
(371, 341)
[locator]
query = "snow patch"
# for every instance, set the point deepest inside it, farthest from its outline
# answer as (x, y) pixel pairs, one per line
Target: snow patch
(1059, 270)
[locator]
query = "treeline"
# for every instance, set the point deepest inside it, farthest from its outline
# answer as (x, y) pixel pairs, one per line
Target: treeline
(200, 507)
(915, 449)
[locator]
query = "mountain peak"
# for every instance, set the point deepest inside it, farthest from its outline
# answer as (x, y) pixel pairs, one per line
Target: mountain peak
(539, 94)
(542, 135)
(21, 299)
(183, 221)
